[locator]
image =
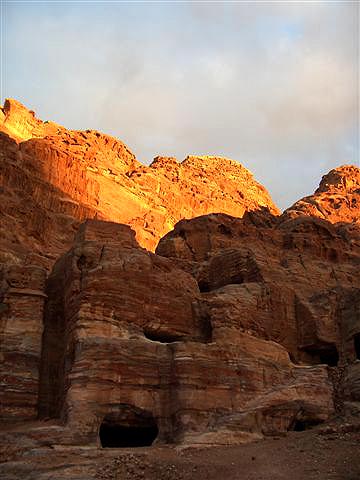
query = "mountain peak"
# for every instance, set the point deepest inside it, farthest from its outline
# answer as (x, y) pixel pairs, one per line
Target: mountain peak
(337, 199)
(73, 175)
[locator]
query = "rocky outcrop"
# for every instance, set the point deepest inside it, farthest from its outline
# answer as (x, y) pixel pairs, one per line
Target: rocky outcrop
(337, 199)
(139, 346)
(229, 338)
(22, 124)
(283, 283)
(53, 178)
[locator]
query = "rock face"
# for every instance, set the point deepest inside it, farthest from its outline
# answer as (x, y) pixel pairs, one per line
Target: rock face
(130, 342)
(337, 199)
(52, 178)
(234, 329)
(290, 276)
(21, 325)
(20, 123)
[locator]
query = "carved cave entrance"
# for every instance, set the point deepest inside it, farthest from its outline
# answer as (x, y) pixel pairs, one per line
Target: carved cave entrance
(129, 427)
(302, 425)
(329, 356)
(326, 353)
(161, 337)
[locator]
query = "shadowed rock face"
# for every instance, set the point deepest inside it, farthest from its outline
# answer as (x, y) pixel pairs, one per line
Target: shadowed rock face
(285, 283)
(234, 329)
(63, 177)
(22, 299)
(133, 341)
(137, 333)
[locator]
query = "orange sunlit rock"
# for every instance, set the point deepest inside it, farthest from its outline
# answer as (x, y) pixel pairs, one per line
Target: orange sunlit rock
(55, 177)
(337, 199)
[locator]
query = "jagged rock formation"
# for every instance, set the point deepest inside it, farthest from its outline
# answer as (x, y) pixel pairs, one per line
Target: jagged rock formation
(337, 199)
(21, 124)
(52, 178)
(234, 329)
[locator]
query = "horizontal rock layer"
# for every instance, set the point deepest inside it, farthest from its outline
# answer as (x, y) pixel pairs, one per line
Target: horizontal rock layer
(139, 336)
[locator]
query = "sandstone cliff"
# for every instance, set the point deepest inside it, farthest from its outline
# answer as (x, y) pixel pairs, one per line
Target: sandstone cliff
(238, 327)
(234, 329)
(52, 178)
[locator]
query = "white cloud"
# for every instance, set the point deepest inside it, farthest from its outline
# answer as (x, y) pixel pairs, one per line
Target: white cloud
(272, 85)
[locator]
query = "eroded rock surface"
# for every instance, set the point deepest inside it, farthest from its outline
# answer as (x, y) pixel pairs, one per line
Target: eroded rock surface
(53, 178)
(337, 199)
(291, 277)
(21, 326)
(232, 331)
(130, 341)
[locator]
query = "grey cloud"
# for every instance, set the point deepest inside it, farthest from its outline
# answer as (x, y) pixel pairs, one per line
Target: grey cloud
(226, 81)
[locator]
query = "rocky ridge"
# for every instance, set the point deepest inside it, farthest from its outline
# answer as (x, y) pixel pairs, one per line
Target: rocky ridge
(64, 176)
(336, 199)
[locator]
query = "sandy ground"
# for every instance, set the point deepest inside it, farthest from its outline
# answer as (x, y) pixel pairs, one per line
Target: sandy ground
(321, 454)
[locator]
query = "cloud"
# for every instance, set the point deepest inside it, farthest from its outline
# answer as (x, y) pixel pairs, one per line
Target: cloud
(273, 85)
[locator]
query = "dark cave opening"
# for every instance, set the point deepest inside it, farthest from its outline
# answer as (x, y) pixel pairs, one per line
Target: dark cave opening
(325, 353)
(160, 337)
(357, 345)
(204, 286)
(302, 425)
(329, 356)
(117, 436)
(128, 430)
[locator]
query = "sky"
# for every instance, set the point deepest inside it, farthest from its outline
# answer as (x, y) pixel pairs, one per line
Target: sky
(273, 85)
